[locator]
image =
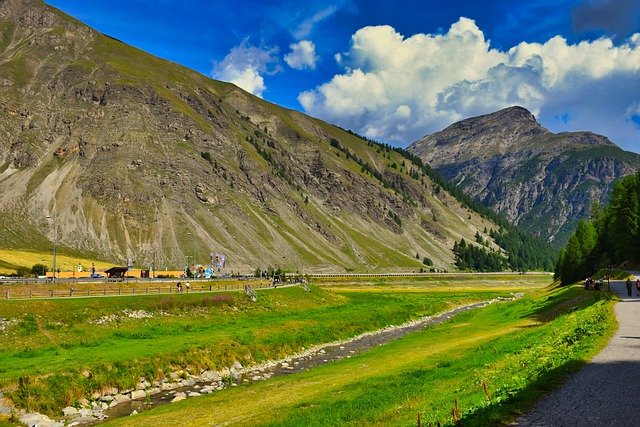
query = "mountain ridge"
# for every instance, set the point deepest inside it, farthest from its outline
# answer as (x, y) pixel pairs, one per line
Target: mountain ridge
(541, 180)
(109, 150)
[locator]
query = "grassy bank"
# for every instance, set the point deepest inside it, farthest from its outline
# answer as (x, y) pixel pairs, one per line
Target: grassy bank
(11, 259)
(46, 346)
(494, 362)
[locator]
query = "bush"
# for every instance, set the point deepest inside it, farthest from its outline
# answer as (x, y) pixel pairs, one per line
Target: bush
(39, 269)
(23, 271)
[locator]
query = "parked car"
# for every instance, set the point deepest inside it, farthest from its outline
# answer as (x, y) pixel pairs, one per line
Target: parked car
(96, 276)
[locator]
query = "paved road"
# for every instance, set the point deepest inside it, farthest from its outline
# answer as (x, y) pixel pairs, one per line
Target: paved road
(606, 392)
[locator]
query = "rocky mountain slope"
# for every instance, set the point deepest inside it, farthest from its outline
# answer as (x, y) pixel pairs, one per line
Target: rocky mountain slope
(540, 180)
(115, 152)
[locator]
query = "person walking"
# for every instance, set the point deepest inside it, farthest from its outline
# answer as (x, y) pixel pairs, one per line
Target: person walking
(638, 287)
(628, 283)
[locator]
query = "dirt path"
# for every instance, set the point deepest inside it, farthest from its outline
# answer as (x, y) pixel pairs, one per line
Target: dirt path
(606, 391)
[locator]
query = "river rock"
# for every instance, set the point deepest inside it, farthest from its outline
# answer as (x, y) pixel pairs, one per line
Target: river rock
(194, 394)
(211, 376)
(107, 398)
(133, 413)
(39, 420)
(69, 411)
(178, 397)
(140, 386)
(153, 390)
(237, 365)
(207, 389)
(169, 386)
(84, 402)
(112, 391)
(138, 394)
(85, 412)
(120, 398)
(188, 382)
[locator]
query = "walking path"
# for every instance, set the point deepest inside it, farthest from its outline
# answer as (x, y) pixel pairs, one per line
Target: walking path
(606, 391)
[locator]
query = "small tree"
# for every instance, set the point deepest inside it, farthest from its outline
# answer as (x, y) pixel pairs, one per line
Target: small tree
(23, 271)
(39, 269)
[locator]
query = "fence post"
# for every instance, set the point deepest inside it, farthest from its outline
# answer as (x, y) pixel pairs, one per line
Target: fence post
(51, 293)
(7, 294)
(30, 295)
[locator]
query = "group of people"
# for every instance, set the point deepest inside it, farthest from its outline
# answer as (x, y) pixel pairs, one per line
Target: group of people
(179, 286)
(592, 284)
(630, 285)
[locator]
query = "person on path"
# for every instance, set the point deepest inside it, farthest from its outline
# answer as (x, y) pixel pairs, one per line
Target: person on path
(638, 287)
(628, 283)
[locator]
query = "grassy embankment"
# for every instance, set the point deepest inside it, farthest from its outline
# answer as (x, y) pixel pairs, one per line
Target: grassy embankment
(11, 259)
(494, 362)
(49, 343)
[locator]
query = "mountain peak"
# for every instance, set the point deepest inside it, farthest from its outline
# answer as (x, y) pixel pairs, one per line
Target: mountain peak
(508, 118)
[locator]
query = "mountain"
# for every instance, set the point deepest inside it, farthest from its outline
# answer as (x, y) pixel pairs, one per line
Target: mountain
(111, 151)
(543, 181)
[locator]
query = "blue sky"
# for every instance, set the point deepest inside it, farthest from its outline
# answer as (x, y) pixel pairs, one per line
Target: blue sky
(398, 70)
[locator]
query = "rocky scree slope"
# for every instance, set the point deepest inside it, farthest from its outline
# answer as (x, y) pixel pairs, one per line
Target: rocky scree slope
(542, 181)
(118, 153)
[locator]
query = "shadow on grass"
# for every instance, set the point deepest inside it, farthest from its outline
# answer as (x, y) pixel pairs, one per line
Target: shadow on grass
(600, 394)
(517, 403)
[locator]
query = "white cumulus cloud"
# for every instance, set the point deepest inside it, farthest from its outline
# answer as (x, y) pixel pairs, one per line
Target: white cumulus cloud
(245, 66)
(302, 55)
(398, 88)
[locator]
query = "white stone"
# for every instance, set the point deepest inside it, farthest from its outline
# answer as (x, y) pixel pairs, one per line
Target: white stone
(194, 394)
(188, 383)
(207, 389)
(121, 398)
(85, 412)
(237, 365)
(138, 394)
(133, 413)
(107, 398)
(69, 410)
(178, 397)
(153, 390)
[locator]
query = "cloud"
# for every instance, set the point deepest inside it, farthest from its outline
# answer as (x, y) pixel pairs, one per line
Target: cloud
(397, 89)
(302, 55)
(616, 17)
(245, 66)
(306, 27)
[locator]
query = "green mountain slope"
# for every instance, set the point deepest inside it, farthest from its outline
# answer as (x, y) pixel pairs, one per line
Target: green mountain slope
(125, 155)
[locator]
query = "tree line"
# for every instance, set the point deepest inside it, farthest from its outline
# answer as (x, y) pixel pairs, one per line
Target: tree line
(609, 237)
(525, 251)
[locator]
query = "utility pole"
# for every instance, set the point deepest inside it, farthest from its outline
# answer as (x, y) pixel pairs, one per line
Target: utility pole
(55, 237)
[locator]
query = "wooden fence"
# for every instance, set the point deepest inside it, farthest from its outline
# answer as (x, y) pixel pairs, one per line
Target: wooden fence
(123, 290)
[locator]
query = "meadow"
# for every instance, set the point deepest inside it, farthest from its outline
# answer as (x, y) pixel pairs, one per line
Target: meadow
(486, 359)
(46, 345)
(484, 367)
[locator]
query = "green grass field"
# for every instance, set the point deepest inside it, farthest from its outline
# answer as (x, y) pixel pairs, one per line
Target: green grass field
(494, 362)
(51, 342)
(510, 347)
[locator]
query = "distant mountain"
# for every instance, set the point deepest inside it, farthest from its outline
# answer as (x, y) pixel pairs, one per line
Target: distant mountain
(540, 180)
(112, 151)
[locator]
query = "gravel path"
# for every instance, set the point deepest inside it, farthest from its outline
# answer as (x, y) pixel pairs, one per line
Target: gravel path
(606, 392)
